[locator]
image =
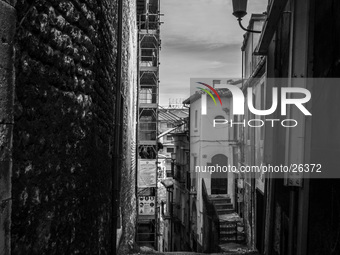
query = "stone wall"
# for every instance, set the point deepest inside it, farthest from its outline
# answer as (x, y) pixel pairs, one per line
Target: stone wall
(64, 124)
(326, 51)
(324, 206)
(7, 31)
(128, 186)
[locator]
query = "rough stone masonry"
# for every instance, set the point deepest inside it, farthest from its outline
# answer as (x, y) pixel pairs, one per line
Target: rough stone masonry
(7, 29)
(65, 87)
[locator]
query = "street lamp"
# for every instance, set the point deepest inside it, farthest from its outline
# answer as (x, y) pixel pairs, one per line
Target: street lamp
(239, 11)
(173, 156)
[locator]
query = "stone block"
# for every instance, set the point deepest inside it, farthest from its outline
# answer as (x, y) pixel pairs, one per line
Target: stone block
(7, 32)
(5, 181)
(11, 2)
(5, 222)
(6, 95)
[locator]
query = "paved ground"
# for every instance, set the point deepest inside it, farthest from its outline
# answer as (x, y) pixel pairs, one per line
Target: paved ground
(193, 253)
(229, 249)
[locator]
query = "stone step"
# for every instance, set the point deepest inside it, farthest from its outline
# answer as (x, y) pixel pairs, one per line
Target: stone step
(224, 211)
(227, 234)
(227, 228)
(219, 196)
(239, 238)
(232, 233)
(220, 200)
(228, 224)
(224, 206)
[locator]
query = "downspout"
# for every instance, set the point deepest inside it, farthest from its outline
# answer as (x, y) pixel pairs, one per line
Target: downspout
(253, 194)
(242, 56)
(292, 191)
(116, 172)
(189, 216)
(189, 207)
(170, 190)
(253, 183)
(172, 217)
(137, 118)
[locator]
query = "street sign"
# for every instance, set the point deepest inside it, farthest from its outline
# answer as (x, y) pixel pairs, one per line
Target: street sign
(146, 205)
(147, 173)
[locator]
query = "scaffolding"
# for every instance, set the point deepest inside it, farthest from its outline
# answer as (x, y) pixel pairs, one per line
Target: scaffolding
(148, 22)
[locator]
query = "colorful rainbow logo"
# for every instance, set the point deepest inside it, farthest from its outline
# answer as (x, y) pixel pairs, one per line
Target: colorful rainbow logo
(208, 92)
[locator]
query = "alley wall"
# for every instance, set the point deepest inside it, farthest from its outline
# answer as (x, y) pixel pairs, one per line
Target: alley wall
(66, 79)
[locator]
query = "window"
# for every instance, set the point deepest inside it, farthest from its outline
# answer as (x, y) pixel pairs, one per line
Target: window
(193, 183)
(145, 96)
(169, 137)
(188, 181)
(170, 150)
(196, 118)
(170, 125)
(160, 173)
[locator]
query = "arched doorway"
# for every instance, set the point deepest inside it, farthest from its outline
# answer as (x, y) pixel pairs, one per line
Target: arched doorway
(219, 184)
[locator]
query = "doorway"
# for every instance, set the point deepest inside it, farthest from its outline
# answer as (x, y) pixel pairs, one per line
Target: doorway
(259, 221)
(219, 181)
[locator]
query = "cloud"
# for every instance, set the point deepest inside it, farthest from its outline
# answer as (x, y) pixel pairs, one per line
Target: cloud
(200, 38)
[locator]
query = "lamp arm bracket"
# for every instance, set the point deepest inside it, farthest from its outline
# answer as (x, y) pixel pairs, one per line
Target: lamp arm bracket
(245, 29)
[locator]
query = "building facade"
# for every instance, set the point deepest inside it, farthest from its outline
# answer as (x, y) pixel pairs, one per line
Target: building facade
(174, 164)
(212, 195)
(171, 120)
(175, 206)
(249, 152)
(294, 213)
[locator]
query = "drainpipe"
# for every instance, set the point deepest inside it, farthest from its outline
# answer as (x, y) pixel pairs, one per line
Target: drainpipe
(116, 171)
(170, 190)
(172, 218)
(137, 123)
(242, 59)
(7, 78)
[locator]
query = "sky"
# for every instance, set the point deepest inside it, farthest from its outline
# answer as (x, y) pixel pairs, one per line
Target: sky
(200, 39)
